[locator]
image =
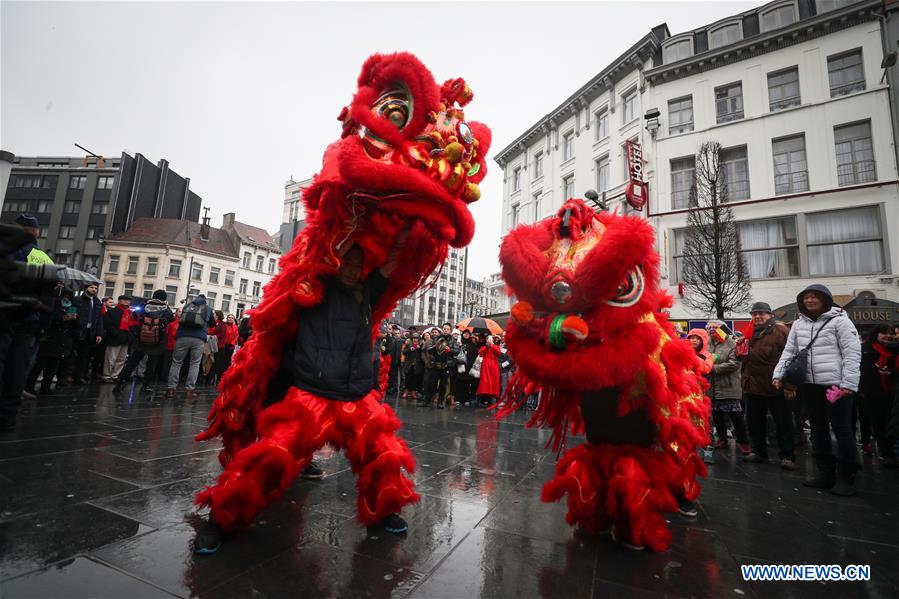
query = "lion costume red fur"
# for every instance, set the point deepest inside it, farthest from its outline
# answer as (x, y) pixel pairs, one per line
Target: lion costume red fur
(406, 160)
(589, 333)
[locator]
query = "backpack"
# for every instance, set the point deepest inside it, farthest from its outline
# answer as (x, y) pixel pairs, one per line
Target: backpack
(150, 330)
(194, 316)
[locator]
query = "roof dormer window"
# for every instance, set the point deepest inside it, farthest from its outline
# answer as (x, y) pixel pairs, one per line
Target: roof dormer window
(725, 34)
(777, 16)
(677, 48)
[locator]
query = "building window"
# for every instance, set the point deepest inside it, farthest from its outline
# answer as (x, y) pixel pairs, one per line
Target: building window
(196, 272)
(516, 179)
(678, 50)
(257, 288)
(109, 289)
(846, 73)
(770, 248)
(105, 182)
(272, 264)
(128, 290)
(568, 187)
(152, 264)
(516, 209)
(72, 207)
(91, 263)
(77, 182)
(113, 264)
(211, 297)
(629, 106)
(783, 89)
(602, 174)
(538, 165)
(229, 278)
(735, 165)
(247, 256)
(148, 290)
(226, 303)
(175, 268)
(683, 172)
(214, 272)
(42, 233)
(537, 197)
(66, 232)
(171, 294)
(260, 260)
(45, 206)
(777, 17)
(132, 265)
(790, 165)
(855, 153)
(845, 242)
(829, 5)
(602, 124)
(725, 35)
(243, 286)
(568, 146)
(100, 208)
(94, 232)
(729, 102)
(680, 115)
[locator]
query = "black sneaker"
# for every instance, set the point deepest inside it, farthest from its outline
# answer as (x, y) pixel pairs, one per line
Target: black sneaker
(312, 471)
(394, 524)
(686, 508)
(209, 538)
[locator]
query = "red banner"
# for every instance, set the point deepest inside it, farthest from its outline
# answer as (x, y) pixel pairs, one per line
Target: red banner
(637, 189)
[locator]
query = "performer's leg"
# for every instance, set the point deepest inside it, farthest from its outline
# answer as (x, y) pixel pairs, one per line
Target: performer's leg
(290, 431)
(367, 430)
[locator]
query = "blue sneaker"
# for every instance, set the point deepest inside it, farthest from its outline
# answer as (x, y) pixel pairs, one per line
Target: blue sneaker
(209, 538)
(394, 524)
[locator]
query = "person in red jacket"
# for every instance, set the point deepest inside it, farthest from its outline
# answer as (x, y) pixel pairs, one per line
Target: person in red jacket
(171, 332)
(488, 387)
(226, 333)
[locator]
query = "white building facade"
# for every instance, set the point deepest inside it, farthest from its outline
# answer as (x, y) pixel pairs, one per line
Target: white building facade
(792, 91)
(259, 255)
(481, 299)
(443, 302)
(579, 145)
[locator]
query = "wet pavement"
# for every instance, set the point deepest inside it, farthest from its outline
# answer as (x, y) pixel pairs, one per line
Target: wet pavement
(96, 497)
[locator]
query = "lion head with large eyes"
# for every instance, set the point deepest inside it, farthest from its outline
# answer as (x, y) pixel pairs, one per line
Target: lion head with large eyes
(408, 148)
(587, 286)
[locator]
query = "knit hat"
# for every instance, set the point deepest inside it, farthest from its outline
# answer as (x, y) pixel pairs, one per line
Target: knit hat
(160, 295)
(27, 220)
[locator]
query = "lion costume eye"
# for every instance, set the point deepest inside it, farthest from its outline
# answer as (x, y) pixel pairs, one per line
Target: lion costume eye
(395, 106)
(630, 291)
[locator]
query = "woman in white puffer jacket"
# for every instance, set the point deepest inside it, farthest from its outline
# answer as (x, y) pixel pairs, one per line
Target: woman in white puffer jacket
(833, 368)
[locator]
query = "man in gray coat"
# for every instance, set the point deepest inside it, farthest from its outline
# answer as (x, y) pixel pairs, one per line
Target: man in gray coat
(831, 382)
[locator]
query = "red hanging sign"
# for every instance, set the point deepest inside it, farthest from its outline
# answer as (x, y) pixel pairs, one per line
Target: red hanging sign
(637, 189)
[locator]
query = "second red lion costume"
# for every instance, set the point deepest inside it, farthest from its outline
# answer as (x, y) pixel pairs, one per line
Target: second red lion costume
(589, 332)
(406, 155)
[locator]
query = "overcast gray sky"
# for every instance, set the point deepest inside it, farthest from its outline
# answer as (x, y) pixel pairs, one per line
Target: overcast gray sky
(241, 96)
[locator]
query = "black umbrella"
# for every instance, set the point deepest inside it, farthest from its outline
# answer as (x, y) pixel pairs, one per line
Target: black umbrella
(73, 277)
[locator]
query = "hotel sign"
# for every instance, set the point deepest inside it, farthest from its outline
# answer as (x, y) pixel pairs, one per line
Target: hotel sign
(637, 189)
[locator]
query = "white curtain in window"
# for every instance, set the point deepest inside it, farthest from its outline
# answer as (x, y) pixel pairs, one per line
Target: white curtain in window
(762, 263)
(839, 254)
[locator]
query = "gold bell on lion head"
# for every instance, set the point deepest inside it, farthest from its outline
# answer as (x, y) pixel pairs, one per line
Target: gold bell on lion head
(454, 152)
(471, 193)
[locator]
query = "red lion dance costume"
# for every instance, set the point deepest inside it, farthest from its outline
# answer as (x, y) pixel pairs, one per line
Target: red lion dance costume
(406, 160)
(589, 332)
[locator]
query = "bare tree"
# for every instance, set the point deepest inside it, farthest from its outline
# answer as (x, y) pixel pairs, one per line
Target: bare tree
(714, 272)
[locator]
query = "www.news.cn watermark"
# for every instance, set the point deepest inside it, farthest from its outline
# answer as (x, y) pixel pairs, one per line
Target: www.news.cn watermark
(805, 572)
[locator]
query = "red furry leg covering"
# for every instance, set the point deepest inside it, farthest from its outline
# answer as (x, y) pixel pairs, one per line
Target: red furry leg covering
(367, 430)
(290, 431)
(619, 485)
